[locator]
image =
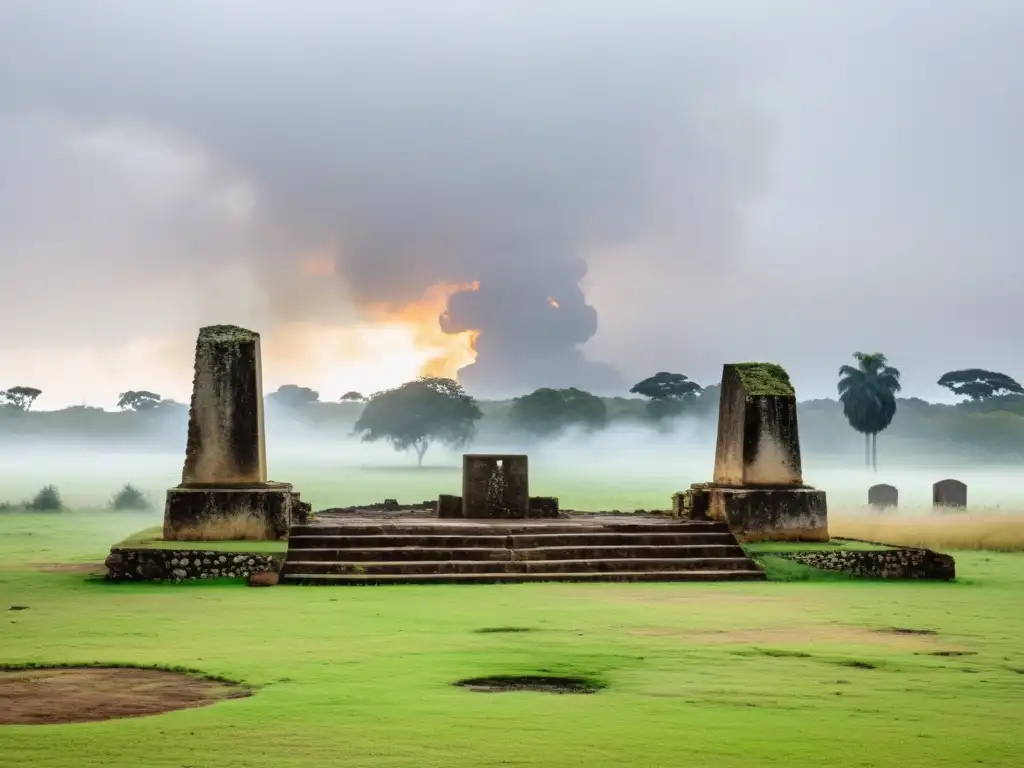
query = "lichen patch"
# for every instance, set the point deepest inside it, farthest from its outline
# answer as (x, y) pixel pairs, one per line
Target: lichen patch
(764, 379)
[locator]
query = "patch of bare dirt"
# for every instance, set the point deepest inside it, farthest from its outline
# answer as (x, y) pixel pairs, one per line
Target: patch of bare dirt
(796, 635)
(86, 694)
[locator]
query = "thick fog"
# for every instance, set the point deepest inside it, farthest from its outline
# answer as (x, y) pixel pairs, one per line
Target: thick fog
(622, 467)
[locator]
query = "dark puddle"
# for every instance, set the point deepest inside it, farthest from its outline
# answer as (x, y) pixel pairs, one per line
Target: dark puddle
(511, 683)
(907, 631)
(502, 630)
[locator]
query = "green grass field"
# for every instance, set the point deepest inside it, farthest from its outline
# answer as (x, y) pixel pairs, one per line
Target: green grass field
(751, 674)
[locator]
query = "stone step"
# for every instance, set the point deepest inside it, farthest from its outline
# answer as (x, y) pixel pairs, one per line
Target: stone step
(628, 550)
(412, 553)
(501, 528)
(399, 554)
(388, 541)
(425, 567)
(654, 538)
(513, 578)
(451, 541)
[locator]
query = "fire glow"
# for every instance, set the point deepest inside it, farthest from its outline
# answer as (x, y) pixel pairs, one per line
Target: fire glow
(394, 343)
(448, 352)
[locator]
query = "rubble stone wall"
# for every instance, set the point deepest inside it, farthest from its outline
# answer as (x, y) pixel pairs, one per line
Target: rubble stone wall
(880, 563)
(187, 564)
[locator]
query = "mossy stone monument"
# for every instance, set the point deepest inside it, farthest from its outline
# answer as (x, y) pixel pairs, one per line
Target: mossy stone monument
(496, 486)
(224, 491)
(758, 485)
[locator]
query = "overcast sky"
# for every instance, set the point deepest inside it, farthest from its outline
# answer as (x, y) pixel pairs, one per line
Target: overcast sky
(725, 181)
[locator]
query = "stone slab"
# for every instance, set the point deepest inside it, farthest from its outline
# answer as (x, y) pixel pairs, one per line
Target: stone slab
(495, 486)
(211, 513)
(544, 507)
(765, 514)
(449, 506)
(541, 507)
(690, 504)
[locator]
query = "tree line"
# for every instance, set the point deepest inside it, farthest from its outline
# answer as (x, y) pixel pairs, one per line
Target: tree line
(429, 410)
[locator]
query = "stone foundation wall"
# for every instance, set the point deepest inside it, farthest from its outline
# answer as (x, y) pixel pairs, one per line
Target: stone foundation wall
(880, 563)
(186, 564)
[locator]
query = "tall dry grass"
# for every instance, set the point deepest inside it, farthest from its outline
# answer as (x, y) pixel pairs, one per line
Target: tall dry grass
(996, 530)
(233, 529)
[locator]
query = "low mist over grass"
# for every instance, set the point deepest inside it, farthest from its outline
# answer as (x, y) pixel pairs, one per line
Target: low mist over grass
(623, 467)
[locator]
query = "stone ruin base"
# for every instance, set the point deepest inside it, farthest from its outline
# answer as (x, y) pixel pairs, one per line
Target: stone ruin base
(541, 507)
(177, 565)
(903, 563)
(758, 513)
(259, 512)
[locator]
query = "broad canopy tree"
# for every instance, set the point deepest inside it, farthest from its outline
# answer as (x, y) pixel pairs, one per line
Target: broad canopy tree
(352, 397)
(868, 394)
(20, 398)
(547, 412)
(979, 384)
(294, 396)
(138, 400)
(667, 393)
(420, 413)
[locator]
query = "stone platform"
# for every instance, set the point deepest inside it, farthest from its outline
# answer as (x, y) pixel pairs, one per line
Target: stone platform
(759, 514)
(435, 551)
(200, 512)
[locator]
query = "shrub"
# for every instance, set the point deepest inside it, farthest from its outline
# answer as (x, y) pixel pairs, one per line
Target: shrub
(130, 498)
(46, 500)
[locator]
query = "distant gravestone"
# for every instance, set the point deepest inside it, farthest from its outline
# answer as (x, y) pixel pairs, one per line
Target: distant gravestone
(949, 493)
(883, 495)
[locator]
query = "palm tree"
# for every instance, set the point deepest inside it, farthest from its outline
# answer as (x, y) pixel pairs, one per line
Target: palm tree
(868, 394)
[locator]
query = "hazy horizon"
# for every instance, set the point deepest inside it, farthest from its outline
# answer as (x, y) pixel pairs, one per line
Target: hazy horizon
(625, 466)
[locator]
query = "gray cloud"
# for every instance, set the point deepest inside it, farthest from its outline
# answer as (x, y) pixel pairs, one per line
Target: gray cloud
(791, 180)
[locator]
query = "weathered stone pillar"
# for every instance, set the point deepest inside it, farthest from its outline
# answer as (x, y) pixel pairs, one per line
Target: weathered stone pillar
(758, 479)
(226, 442)
(758, 439)
(224, 493)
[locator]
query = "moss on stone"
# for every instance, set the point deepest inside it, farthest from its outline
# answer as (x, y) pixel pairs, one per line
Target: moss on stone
(150, 538)
(220, 334)
(764, 379)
